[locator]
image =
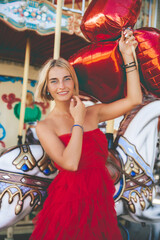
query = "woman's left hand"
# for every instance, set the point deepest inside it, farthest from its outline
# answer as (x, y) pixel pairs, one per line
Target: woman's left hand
(126, 42)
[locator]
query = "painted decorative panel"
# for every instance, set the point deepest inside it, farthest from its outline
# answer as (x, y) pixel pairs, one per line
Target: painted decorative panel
(10, 103)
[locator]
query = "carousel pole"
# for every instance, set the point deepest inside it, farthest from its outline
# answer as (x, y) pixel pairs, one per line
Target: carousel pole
(24, 91)
(109, 133)
(57, 39)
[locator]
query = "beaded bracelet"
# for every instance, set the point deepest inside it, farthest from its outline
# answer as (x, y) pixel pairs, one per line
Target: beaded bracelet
(129, 65)
(77, 125)
(132, 70)
(133, 65)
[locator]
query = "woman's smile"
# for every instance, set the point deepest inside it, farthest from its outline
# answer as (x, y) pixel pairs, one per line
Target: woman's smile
(63, 93)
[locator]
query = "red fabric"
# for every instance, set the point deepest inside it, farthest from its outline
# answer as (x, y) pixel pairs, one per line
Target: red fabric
(80, 203)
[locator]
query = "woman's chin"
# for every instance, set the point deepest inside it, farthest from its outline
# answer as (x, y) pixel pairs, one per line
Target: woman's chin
(63, 98)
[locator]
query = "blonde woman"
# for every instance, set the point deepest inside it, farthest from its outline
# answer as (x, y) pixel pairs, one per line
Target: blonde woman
(80, 203)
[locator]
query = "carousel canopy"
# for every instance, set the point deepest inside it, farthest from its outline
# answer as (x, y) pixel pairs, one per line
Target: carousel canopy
(20, 20)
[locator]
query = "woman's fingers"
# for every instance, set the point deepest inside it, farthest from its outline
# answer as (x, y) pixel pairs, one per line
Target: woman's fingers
(77, 109)
(126, 33)
(122, 36)
(76, 97)
(126, 42)
(84, 98)
(132, 42)
(130, 39)
(75, 101)
(72, 103)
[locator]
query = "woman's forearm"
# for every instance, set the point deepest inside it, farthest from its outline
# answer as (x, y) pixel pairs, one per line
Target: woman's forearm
(72, 153)
(134, 93)
(66, 157)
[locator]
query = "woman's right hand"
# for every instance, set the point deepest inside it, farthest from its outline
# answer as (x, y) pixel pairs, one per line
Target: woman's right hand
(77, 110)
(126, 42)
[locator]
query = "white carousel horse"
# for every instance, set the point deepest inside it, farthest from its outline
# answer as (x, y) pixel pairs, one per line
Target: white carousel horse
(136, 146)
(26, 172)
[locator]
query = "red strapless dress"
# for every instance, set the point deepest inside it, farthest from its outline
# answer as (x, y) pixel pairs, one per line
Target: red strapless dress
(80, 203)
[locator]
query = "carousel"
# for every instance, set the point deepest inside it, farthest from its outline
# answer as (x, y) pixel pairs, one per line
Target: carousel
(31, 33)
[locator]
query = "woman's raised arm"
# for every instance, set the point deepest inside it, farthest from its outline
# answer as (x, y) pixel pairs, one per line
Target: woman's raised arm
(134, 94)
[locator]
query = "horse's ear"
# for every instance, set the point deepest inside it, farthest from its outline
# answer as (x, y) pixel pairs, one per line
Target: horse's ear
(2, 151)
(147, 96)
(144, 90)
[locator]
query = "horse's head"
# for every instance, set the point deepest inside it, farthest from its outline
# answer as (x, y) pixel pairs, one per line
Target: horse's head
(140, 127)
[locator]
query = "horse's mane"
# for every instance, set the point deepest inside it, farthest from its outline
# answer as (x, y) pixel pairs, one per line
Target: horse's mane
(147, 98)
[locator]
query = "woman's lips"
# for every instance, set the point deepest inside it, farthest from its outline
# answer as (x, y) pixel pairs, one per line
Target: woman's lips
(63, 93)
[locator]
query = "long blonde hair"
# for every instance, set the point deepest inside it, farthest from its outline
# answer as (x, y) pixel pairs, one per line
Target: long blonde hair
(41, 90)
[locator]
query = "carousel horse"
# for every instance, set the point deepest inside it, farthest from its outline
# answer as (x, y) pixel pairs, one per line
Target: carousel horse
(135, 150)
(26, 171)
(25, 174)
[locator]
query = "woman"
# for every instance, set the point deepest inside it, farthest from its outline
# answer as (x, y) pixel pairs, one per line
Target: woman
(80, 199)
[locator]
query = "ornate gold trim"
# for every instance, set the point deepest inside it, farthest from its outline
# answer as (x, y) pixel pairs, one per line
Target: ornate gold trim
(19, 205)
(131, 199)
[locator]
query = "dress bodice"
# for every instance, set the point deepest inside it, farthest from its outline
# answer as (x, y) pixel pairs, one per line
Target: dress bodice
(94, 149)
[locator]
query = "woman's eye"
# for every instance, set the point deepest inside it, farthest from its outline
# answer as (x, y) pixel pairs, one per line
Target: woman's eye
(53, 81)
(68, 78)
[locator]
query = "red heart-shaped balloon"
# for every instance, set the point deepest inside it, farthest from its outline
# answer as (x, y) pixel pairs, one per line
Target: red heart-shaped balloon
(98, 66)
(104, 19)
(148, 55)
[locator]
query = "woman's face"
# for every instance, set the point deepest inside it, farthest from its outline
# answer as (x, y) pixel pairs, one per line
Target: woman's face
(60, 84)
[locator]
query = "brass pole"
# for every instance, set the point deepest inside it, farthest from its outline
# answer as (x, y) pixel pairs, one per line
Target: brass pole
(57, 39)
(24, 90)
(154, 13)
(110, 126)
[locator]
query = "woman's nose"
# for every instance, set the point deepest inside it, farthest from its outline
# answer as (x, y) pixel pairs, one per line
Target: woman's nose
(61, 84)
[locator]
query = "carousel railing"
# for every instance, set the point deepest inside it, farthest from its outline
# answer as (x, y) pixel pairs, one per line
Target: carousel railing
(148, 16)
(72, 6)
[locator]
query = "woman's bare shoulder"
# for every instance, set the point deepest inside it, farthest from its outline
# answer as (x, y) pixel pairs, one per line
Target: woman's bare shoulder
(42, 123)
(45, 125)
